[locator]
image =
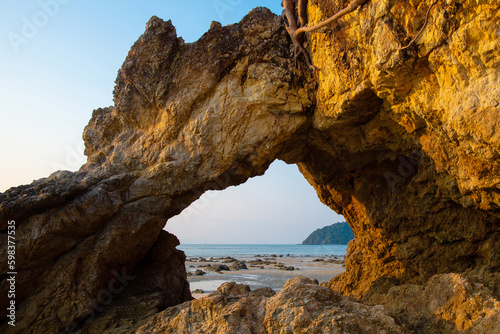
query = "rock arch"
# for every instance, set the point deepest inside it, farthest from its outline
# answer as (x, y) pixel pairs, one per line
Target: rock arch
(409, 160)
(260, 205)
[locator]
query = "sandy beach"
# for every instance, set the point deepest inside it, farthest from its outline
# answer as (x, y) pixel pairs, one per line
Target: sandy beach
(261, 271)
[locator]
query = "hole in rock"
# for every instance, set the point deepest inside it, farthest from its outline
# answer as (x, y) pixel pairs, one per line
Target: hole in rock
(267, 215)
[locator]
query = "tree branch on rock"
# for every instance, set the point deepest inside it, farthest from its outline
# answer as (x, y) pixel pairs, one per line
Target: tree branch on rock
(296, 32)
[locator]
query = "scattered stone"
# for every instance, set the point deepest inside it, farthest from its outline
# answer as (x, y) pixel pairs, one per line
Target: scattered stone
(335, 261)
(199, 272)
(229, 260)
(238, 266)
(198, 291)
(218, 267)
(259, 262)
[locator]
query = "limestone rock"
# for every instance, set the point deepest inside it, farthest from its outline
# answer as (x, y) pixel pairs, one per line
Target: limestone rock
(403, 143)
(218, 267)
(446, 304)
(187, 118)
(199, 272)
(159, 281)
(407, 141)
(238, 266)
(301, 307)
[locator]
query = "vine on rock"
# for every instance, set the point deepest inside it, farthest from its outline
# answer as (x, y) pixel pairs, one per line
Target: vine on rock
(421, 29)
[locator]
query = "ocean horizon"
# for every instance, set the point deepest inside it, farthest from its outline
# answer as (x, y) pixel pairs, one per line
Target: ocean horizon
(251, 250)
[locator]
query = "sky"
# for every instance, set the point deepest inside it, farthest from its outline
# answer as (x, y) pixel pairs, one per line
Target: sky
(58, 62)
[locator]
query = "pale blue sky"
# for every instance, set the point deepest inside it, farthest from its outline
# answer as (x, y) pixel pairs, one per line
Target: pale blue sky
(58, 62)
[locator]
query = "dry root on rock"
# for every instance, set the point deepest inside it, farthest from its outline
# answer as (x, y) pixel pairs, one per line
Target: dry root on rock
(421, 29)
(296, 31)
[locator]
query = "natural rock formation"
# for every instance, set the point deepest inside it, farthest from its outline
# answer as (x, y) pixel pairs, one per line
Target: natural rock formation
(446, 304)
(301, 307)
(406, 142)
(403, 143)
(187, 118)
(238, 266)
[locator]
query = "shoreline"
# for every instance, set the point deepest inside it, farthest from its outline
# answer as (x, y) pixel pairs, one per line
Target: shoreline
(264, 250)
(206, 275)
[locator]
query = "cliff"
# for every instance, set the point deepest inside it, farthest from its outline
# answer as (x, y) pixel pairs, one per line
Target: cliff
(404, 143)
(336, 234)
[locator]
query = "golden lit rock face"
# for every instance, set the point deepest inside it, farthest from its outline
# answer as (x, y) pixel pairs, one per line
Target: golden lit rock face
(301, 307)
(411, 137)
(403, 143)
(446, 304)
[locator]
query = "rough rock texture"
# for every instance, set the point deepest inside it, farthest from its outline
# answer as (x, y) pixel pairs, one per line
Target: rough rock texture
(301, 307)
(406, 145)
(447, 303)
(159, 281)
(187, 118)
(403, 143)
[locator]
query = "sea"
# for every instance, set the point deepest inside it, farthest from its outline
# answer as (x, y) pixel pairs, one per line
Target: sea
(247, 250)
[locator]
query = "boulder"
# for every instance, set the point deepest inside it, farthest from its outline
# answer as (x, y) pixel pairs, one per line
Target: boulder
(218, 267)
(301, 307)
(238, 266)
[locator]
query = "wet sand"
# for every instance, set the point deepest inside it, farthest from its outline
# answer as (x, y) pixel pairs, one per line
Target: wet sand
(268, 272)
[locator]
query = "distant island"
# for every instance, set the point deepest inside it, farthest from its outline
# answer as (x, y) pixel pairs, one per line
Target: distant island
(336, 234)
